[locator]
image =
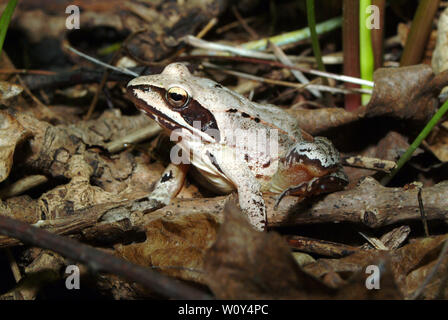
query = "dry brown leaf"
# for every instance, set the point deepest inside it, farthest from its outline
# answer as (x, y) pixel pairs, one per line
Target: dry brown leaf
(440, 55)
(175, 245)
(407, 93)
(415, 261)
(11, 133)
(9, 90)
(439, 144)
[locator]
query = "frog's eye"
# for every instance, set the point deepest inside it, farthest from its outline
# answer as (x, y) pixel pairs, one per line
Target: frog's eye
(177, 97)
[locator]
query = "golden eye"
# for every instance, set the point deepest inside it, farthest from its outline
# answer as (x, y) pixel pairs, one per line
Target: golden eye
(177, 97)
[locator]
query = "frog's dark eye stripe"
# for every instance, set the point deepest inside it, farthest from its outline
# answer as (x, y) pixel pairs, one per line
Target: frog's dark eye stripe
(197, 113)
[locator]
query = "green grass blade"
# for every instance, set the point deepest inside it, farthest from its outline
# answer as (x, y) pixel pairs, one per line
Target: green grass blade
(423, 134)
(5, 19)
(365, 47)
(313, 33)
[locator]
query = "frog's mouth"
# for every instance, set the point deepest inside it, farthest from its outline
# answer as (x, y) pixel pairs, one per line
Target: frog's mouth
(164, 120)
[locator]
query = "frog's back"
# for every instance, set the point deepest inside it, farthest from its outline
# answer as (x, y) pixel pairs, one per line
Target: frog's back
(277, 117)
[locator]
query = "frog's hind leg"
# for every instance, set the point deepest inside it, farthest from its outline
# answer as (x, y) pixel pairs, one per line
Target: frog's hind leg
(333, 182)
(309, 168)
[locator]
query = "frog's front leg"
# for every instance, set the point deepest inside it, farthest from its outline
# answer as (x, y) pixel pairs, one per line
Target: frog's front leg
(310, 168)
(249, 195)
(169, 184)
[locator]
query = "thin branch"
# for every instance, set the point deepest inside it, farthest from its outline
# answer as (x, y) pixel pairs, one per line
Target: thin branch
(22, 185)
(101, 63)
(285, 83)
(266, 56)
(422, 212)
(243, 23)
(296, 73)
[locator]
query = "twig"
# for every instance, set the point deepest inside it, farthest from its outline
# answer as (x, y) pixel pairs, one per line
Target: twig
(294, 36)
(265, 56)
(14, 267)
(350, 44)
(296, 73)
(27, 71)
(22, 185)
(374, 242)
(250, 31)
(28, 92)
(283, 83)
(369, 163)
(134, 137)
(232, 25)
(85, 56)
(73, 77)
(207, 28)
(200, 34)
(321, 247)
(106, 74)
(422, 211)
(99, 260)
(328, 59)
(419, 33)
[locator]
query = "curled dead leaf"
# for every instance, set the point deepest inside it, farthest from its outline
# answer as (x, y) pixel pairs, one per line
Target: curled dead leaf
(9, 90)
(408, 93)
(11, 133)
(174, 245)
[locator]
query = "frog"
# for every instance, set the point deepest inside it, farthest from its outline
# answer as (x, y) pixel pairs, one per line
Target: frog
(209, 123)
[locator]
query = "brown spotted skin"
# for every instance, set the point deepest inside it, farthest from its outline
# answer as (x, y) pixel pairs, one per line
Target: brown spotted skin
(297, 164)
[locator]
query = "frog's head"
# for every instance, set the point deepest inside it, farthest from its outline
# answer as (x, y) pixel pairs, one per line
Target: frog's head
(178, 100)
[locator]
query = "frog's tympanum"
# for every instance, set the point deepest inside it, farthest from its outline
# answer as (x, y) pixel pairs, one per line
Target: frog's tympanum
(237, 144)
